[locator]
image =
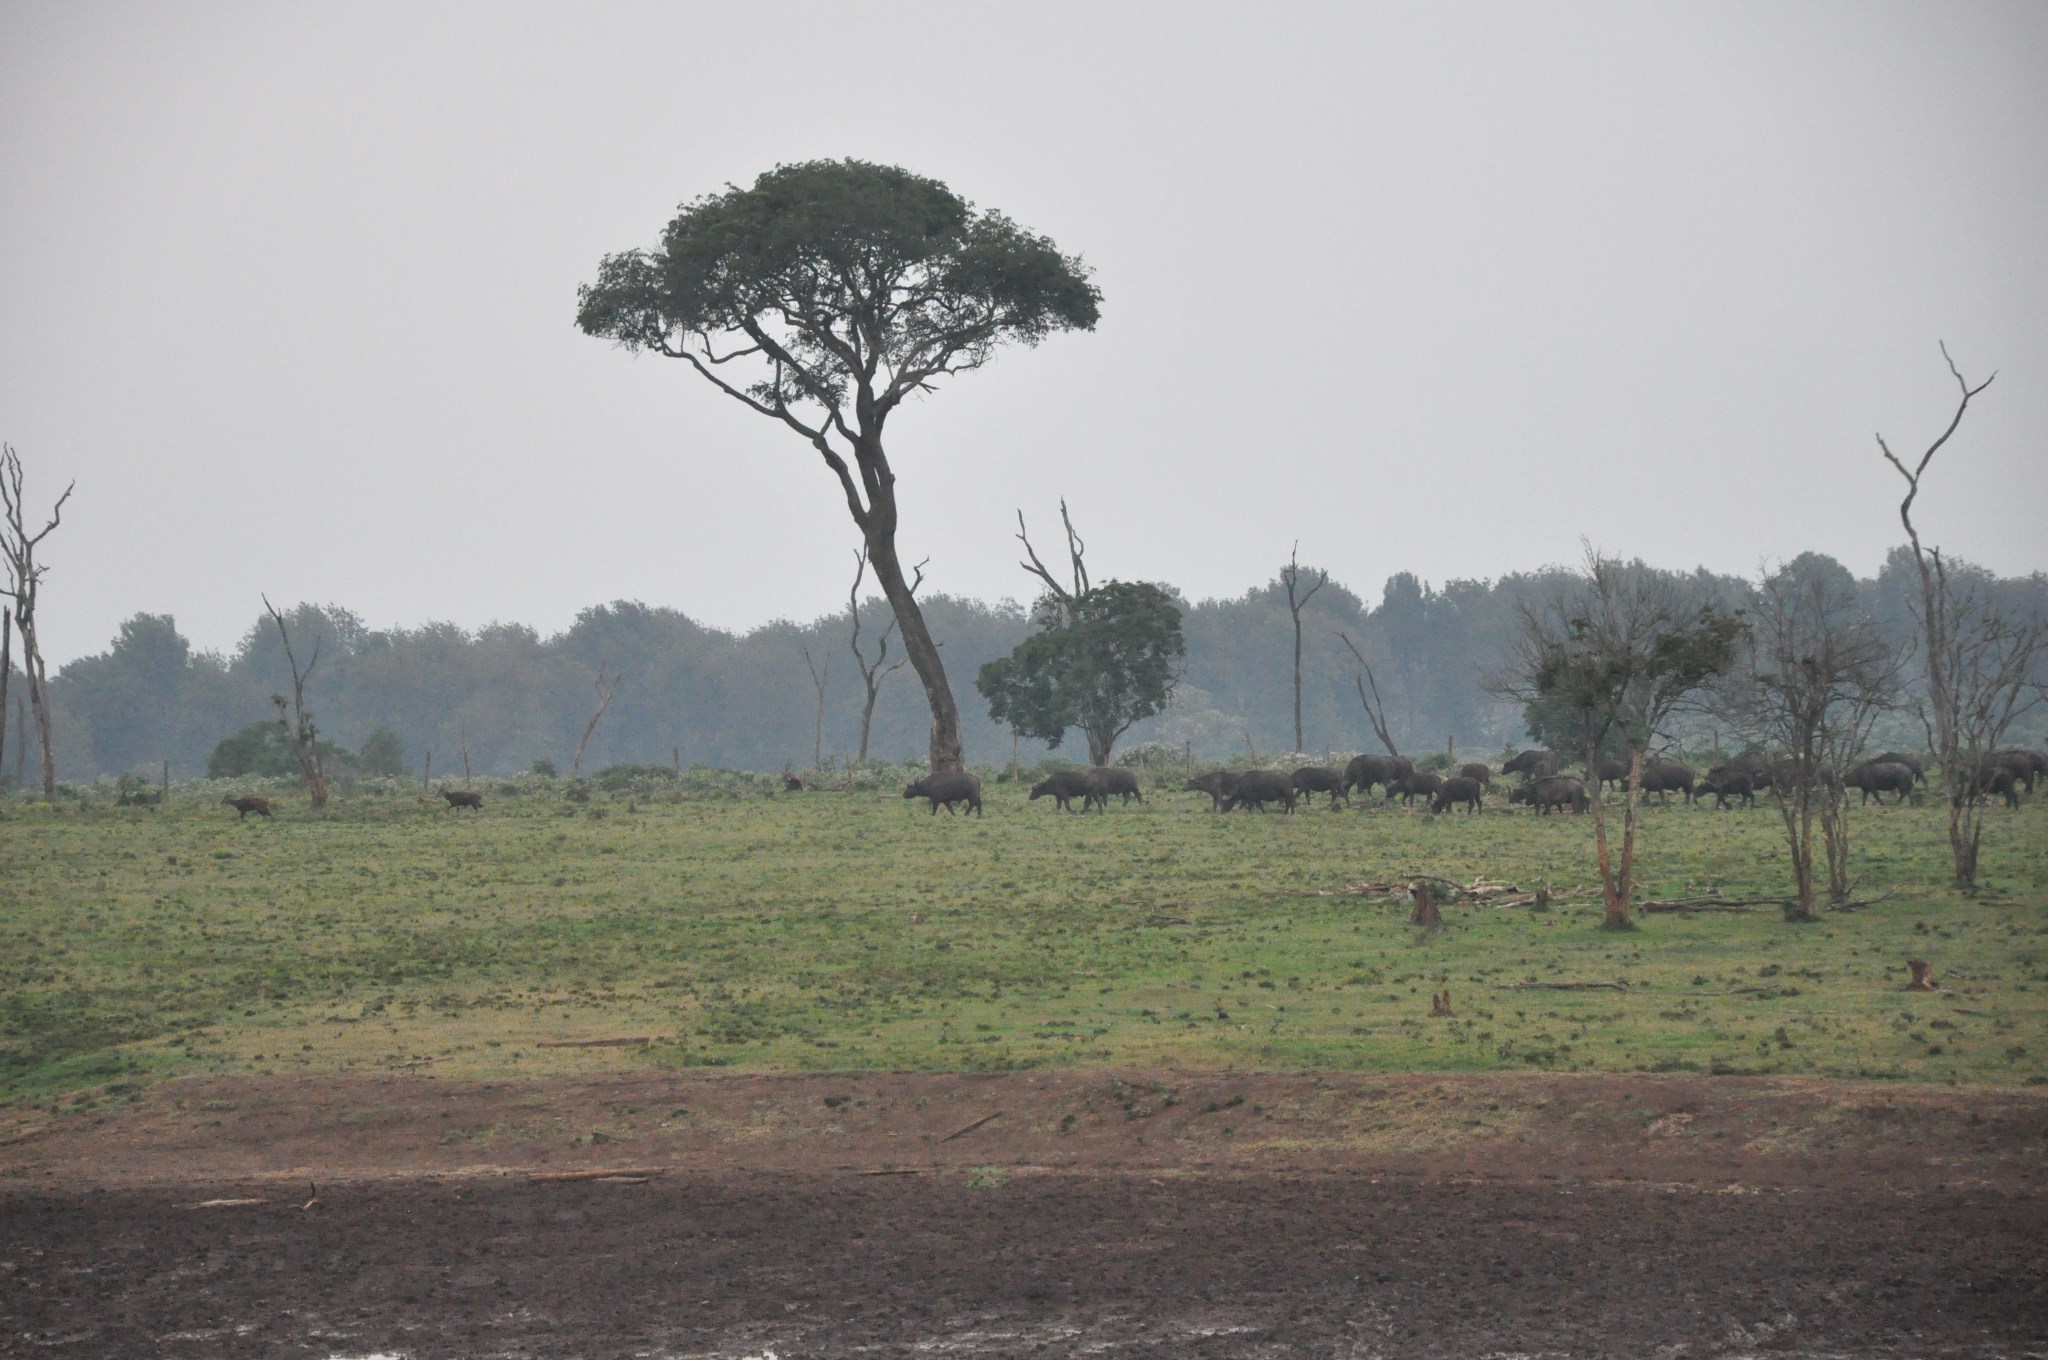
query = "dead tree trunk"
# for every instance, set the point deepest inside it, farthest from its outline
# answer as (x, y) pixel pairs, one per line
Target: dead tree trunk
(1426, 912)
(1290, 577)
(296, 720)
(6, 674)
(24, 582)
(1375, 710)
(604, 701)
(818, 681)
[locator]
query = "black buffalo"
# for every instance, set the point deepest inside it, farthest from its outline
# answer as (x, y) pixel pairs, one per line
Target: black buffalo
(1610, 771)
(948, 787)
(1725, 783)
(1662, 777)
(1419, 784)
(1313, 779)
(1067, 785)
(463, 798)
(1558, 791)
(1457, 789)
(1120, 782)
(1878, 777)
(1260, 787)
(247, 804)
(1481, 775)
(1365, 771)
(1917, 764)
(1531, 765)
(1218, 784)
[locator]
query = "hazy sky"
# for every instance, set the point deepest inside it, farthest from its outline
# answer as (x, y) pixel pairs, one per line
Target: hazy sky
(289, 289)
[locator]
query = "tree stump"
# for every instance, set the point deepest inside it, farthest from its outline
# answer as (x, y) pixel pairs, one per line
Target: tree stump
(1923, 976)
(1440, 1002)
(1542, 902)
(1425, 913)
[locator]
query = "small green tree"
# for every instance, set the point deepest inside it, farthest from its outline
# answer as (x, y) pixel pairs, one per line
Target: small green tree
(383, 754)
(1102, 660)
(261, 749)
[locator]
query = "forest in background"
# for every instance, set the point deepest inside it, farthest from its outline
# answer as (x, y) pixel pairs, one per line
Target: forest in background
(700, 695)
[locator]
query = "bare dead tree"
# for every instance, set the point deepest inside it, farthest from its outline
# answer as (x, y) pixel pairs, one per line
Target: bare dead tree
(872, 673)
(604, 701)
(1375, 711)
(1982, 665)
(6, 675)
(1815, 675)
(295, 718)
(1290, 577)
(818, 681)
(23, 585)
(1075, 551)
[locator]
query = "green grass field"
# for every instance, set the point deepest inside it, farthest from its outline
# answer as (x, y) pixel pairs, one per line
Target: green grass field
(853, 930)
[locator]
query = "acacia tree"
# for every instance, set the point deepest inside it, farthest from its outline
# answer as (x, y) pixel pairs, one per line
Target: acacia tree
(1101, 661)
(1297, 600)
(872, 673)
(1616, 652)
(835, 290)
(24, 584)
(1815, 674)
(1982, 664)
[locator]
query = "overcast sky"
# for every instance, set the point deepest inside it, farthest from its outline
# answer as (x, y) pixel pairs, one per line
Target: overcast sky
(289, 289)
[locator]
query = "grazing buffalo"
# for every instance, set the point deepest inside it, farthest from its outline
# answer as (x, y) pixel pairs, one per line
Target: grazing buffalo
(1260, 787)
(2025, 765)
(1418, 784)
(948, 787)
(1662, 776)
(1365, 771)
(1218, 784)
(1310, 780)
(1917, 764)
(1482, 775)
(463, 798)
(1997, 781)
(1458, 789)
(248, 804)
(1610, 771)
(1531, 765)
(1556, 791)
(1120, 782)
(1726, 783)
(1067, 785)
(1755, 764)
(1879, 777)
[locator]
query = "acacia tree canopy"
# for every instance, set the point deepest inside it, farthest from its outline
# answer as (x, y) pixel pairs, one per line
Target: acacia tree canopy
(1101, 661)
(824, 295)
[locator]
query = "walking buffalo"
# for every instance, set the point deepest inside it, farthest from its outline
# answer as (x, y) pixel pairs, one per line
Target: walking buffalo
(1218, 784)
(948, 787)
(1531, 765)
(1120, 782)
(1661, 777)
(1067, 785)
(1610, 771)
(1260, 787)
(1419, 784)
(1365, 771)
(1553, 791)
(1481, 775)
(1917, 764)
(463, 798)
(1878, 777)
(1458, 789)
(1725, 783)
(1310, 780)
(248, 804)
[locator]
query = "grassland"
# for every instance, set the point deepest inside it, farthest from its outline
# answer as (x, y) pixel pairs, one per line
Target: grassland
(828, 930)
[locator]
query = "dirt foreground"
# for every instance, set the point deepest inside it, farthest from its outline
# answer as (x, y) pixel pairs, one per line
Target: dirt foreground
(1101, 1213)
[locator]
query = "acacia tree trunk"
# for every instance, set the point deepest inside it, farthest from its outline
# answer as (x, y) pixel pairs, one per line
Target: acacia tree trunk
(1615, 888)
(917, 638)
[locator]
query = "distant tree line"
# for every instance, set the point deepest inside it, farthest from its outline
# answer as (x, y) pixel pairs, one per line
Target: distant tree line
(696, 695)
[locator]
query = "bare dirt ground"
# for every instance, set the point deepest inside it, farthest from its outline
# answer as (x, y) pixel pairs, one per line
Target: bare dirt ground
(1041, 1214)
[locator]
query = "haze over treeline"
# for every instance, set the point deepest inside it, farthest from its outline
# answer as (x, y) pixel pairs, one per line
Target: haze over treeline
(746, 700)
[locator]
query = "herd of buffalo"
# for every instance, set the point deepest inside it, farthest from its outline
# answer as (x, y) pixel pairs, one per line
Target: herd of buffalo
(1542, 786)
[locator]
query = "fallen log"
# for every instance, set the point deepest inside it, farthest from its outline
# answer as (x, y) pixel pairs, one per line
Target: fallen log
(599, 1174)
(226, 1203)
(1563, 986)
(1714, 904)
(633, 1041)
(961, 1133)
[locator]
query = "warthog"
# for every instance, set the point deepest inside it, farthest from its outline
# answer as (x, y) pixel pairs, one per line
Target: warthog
(1313, 779)
(463, 798)
(1216, 783)
(1458, 789)
(948, 787)
(1417, 784)
(1879, 777)
(1119, 781)
(1481, 775)
(1726, 783)
(1260, 787)
(247, 804)
(1067, 785)
(1531, 765)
